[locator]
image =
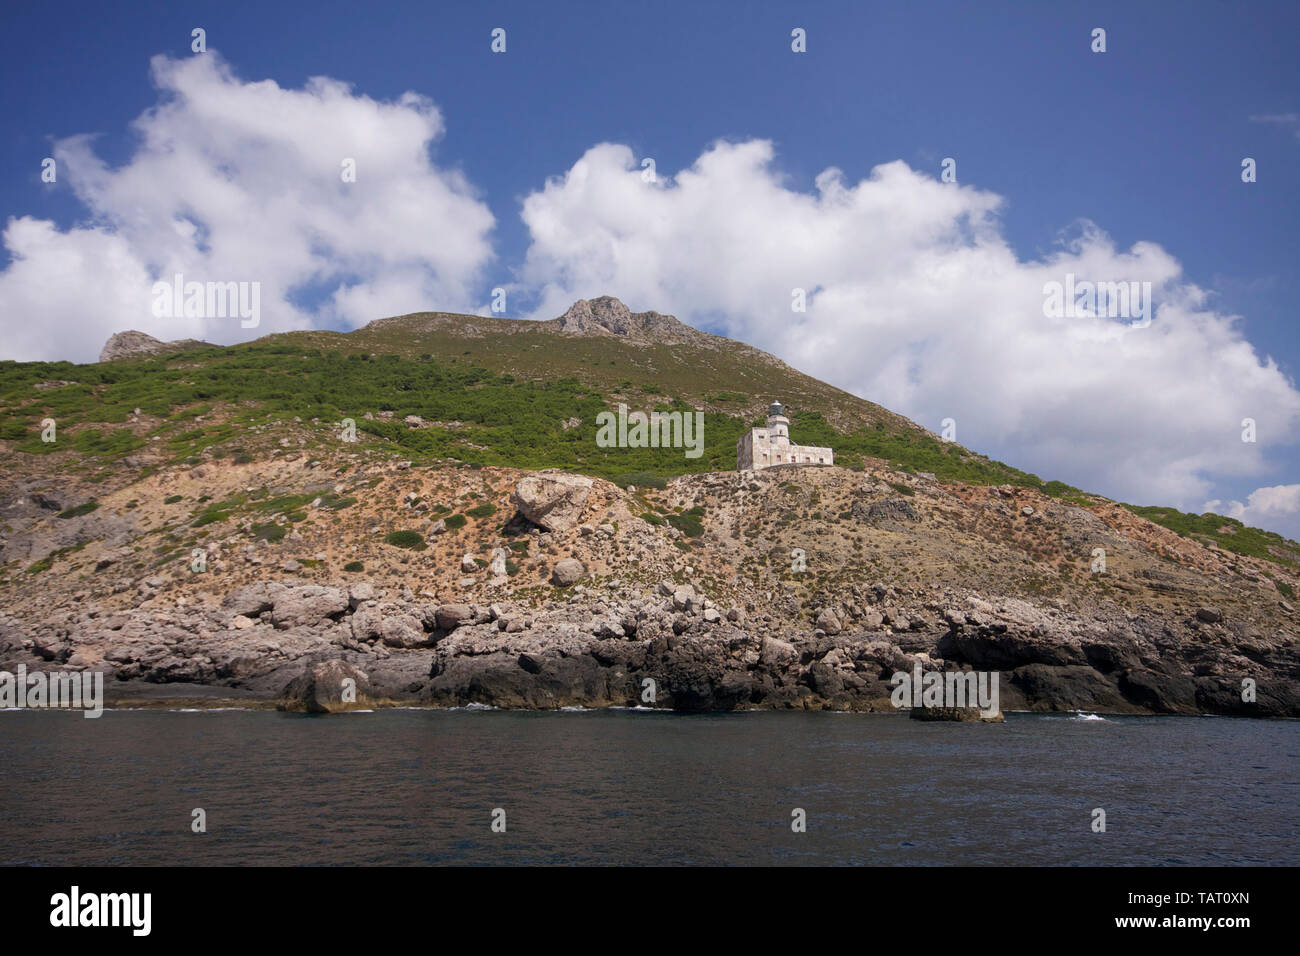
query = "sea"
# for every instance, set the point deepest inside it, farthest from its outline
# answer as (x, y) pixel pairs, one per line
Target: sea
(643, 787)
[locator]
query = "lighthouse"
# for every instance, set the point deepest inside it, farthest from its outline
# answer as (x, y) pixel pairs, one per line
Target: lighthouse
(770, 445)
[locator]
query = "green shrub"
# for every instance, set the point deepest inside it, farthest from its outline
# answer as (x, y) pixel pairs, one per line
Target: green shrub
(455, 522)
(270, 531)
(211, 516)
(171, 499)
(687, 523)
(354, 566)
(641, 479)
(79, 510)
(412, 540)
(652, 518)
(485, 510)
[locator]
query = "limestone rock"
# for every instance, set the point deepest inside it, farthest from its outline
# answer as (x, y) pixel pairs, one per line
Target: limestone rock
(552, 500)
(567, 572)
(322, 688)
(131, 344)
(829, 621)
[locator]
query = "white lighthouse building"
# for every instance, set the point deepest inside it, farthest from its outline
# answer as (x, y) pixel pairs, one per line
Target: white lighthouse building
(764, 447)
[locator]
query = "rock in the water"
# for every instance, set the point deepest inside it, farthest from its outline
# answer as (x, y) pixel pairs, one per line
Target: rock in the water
(553, 501)
(954, 714)
(327, 687)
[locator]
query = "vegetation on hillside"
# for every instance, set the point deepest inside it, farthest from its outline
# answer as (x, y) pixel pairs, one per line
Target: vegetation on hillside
(1228, 533)
(214, 401)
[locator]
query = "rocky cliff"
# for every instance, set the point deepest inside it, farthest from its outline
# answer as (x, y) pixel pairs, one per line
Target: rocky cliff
(789, 588)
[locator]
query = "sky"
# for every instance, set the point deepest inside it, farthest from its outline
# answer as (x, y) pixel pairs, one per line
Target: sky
(887, 209)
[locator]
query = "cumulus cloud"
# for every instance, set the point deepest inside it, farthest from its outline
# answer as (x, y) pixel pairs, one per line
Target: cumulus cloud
(915, 300)
(1276, 507)
(235, 181)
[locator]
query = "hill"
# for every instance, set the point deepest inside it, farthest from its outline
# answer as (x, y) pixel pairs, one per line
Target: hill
(380, 551)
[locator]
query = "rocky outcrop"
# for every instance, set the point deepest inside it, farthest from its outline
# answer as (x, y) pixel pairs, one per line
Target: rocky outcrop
(673, 648)
(955, 714)
(551, 500)
(606, 315)
(328, 687)
(133, 344)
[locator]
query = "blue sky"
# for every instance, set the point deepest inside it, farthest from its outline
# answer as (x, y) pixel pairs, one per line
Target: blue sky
(1058, 149)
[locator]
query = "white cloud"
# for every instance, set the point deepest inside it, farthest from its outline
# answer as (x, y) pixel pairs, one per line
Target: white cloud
(1289, 121)
(1276, 508)
(917, 302)
(240, 181)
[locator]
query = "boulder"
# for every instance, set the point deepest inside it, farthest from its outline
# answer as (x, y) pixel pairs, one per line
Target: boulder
(360, 593)
(323, 688)
(403, 630)
(252, 599)
(567, 572)
(776, 652)
(553, 501)
(308, 606)
(829, 621)
(451, 616)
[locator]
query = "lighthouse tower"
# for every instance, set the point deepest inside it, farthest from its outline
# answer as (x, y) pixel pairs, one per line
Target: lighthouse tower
(777, 424)
(770, 445)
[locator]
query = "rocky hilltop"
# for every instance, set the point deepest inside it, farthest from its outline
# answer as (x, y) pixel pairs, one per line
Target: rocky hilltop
(133, 344)
(606, 315)
(203, 530)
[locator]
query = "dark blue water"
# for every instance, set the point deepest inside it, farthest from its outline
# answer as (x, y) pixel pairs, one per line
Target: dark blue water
(418, 787)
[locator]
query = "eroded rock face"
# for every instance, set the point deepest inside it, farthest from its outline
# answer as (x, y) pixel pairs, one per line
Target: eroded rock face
(131, 343)
(553, 501)
(308, 605)
(327, 687)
